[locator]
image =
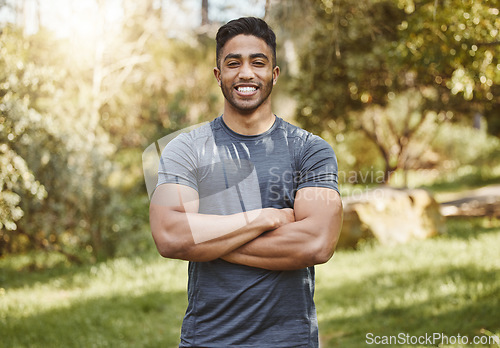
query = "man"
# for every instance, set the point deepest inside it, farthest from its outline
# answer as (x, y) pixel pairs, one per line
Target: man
(252, 202)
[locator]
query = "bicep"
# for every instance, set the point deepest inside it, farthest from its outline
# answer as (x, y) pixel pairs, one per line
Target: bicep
(320, 206)
(176, 197)
(167, 218)
(319, 209)
(308, 241)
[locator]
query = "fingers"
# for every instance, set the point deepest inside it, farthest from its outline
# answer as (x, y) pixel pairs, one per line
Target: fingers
(289, 215)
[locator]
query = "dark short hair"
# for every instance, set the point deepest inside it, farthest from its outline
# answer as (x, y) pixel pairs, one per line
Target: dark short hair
(246, 26)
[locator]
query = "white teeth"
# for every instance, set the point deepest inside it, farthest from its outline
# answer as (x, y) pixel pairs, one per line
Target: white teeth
(246, 89)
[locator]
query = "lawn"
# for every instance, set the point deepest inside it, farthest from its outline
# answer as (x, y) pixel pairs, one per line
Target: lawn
(447, 285)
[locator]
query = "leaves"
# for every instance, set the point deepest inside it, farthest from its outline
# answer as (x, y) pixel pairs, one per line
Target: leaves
(361, 53)
(75, 117)
(362, 56)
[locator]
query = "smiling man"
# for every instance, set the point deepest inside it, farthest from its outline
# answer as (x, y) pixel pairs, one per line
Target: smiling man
(248, 77)
(252, 203)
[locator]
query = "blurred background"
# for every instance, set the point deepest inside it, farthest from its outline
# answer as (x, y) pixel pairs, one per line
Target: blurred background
(406, 91)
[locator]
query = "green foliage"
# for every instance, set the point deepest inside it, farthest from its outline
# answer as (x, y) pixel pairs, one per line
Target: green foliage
(75, 118)
(16, 178)
(460, 146)
(394, 69)
(76, 114)
(362, 53)
(447, 284)
(388, 138)
(63, 194)
(356, 154)
(172, 88)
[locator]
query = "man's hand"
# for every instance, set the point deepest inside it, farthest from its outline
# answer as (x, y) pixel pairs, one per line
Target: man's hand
(278, 217)
(307, 241)
(180, 232)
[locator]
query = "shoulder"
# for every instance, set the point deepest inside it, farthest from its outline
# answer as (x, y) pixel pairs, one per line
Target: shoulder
(195, 133)
(302, 138)
(187, 138)
(293, 131)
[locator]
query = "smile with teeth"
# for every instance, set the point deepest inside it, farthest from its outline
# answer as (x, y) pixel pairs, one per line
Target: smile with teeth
(246, 89)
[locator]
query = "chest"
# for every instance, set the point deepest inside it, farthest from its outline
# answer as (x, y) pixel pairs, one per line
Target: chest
(250, 175)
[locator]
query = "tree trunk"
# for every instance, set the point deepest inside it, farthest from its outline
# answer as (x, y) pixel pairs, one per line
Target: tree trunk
(376, 138)
(204, 12)
(388, 169)
(266, 8)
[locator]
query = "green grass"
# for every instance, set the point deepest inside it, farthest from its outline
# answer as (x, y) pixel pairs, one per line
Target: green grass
(449, 284)
(126, 302)
(448, 186)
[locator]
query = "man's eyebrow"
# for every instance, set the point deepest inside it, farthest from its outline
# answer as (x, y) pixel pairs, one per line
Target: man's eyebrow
(232, 56)
(252, 56)
(259, 55)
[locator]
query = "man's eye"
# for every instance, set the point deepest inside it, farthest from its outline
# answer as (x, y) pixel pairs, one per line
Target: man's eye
(232, 64)
(259, 63)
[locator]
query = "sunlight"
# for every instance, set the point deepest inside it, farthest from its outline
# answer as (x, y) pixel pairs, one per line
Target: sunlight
(83, 21)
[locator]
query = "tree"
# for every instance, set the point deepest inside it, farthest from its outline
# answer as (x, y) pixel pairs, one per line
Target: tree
(61, 172)
(364, 54)
(204, 13)
(16, 177)
(400, 131)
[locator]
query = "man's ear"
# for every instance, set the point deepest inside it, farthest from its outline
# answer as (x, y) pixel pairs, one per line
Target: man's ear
(276, 73)
(217, 75)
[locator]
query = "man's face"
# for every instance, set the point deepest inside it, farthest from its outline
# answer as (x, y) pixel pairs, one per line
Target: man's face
(246, 75)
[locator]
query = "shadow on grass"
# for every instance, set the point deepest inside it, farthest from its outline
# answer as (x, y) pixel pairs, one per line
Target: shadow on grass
(150, 320)
(15, 275)
(468, 228)
(452, 301)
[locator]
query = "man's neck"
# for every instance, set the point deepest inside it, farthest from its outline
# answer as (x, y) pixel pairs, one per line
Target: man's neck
(253, 123)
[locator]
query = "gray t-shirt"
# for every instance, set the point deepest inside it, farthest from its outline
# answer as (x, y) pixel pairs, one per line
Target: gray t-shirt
(233, 305)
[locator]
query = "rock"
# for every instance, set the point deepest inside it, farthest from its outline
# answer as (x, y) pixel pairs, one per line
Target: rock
(392, 216)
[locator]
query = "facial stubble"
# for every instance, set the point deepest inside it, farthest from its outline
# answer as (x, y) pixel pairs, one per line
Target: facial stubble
(228, 95)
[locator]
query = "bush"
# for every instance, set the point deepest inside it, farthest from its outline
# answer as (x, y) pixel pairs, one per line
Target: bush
(462, 148)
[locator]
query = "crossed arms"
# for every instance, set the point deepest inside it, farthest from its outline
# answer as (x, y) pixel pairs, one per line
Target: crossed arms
(269, 238)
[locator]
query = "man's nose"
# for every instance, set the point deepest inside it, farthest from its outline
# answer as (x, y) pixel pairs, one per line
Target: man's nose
(246, 72)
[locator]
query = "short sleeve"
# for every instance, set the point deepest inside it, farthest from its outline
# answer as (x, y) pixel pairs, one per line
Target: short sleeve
(178, 163)
(318, 165)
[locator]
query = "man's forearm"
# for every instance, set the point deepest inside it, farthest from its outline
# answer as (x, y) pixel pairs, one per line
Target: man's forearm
(181, 232)
(308, 241)
(202, 237)
(289, 247)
